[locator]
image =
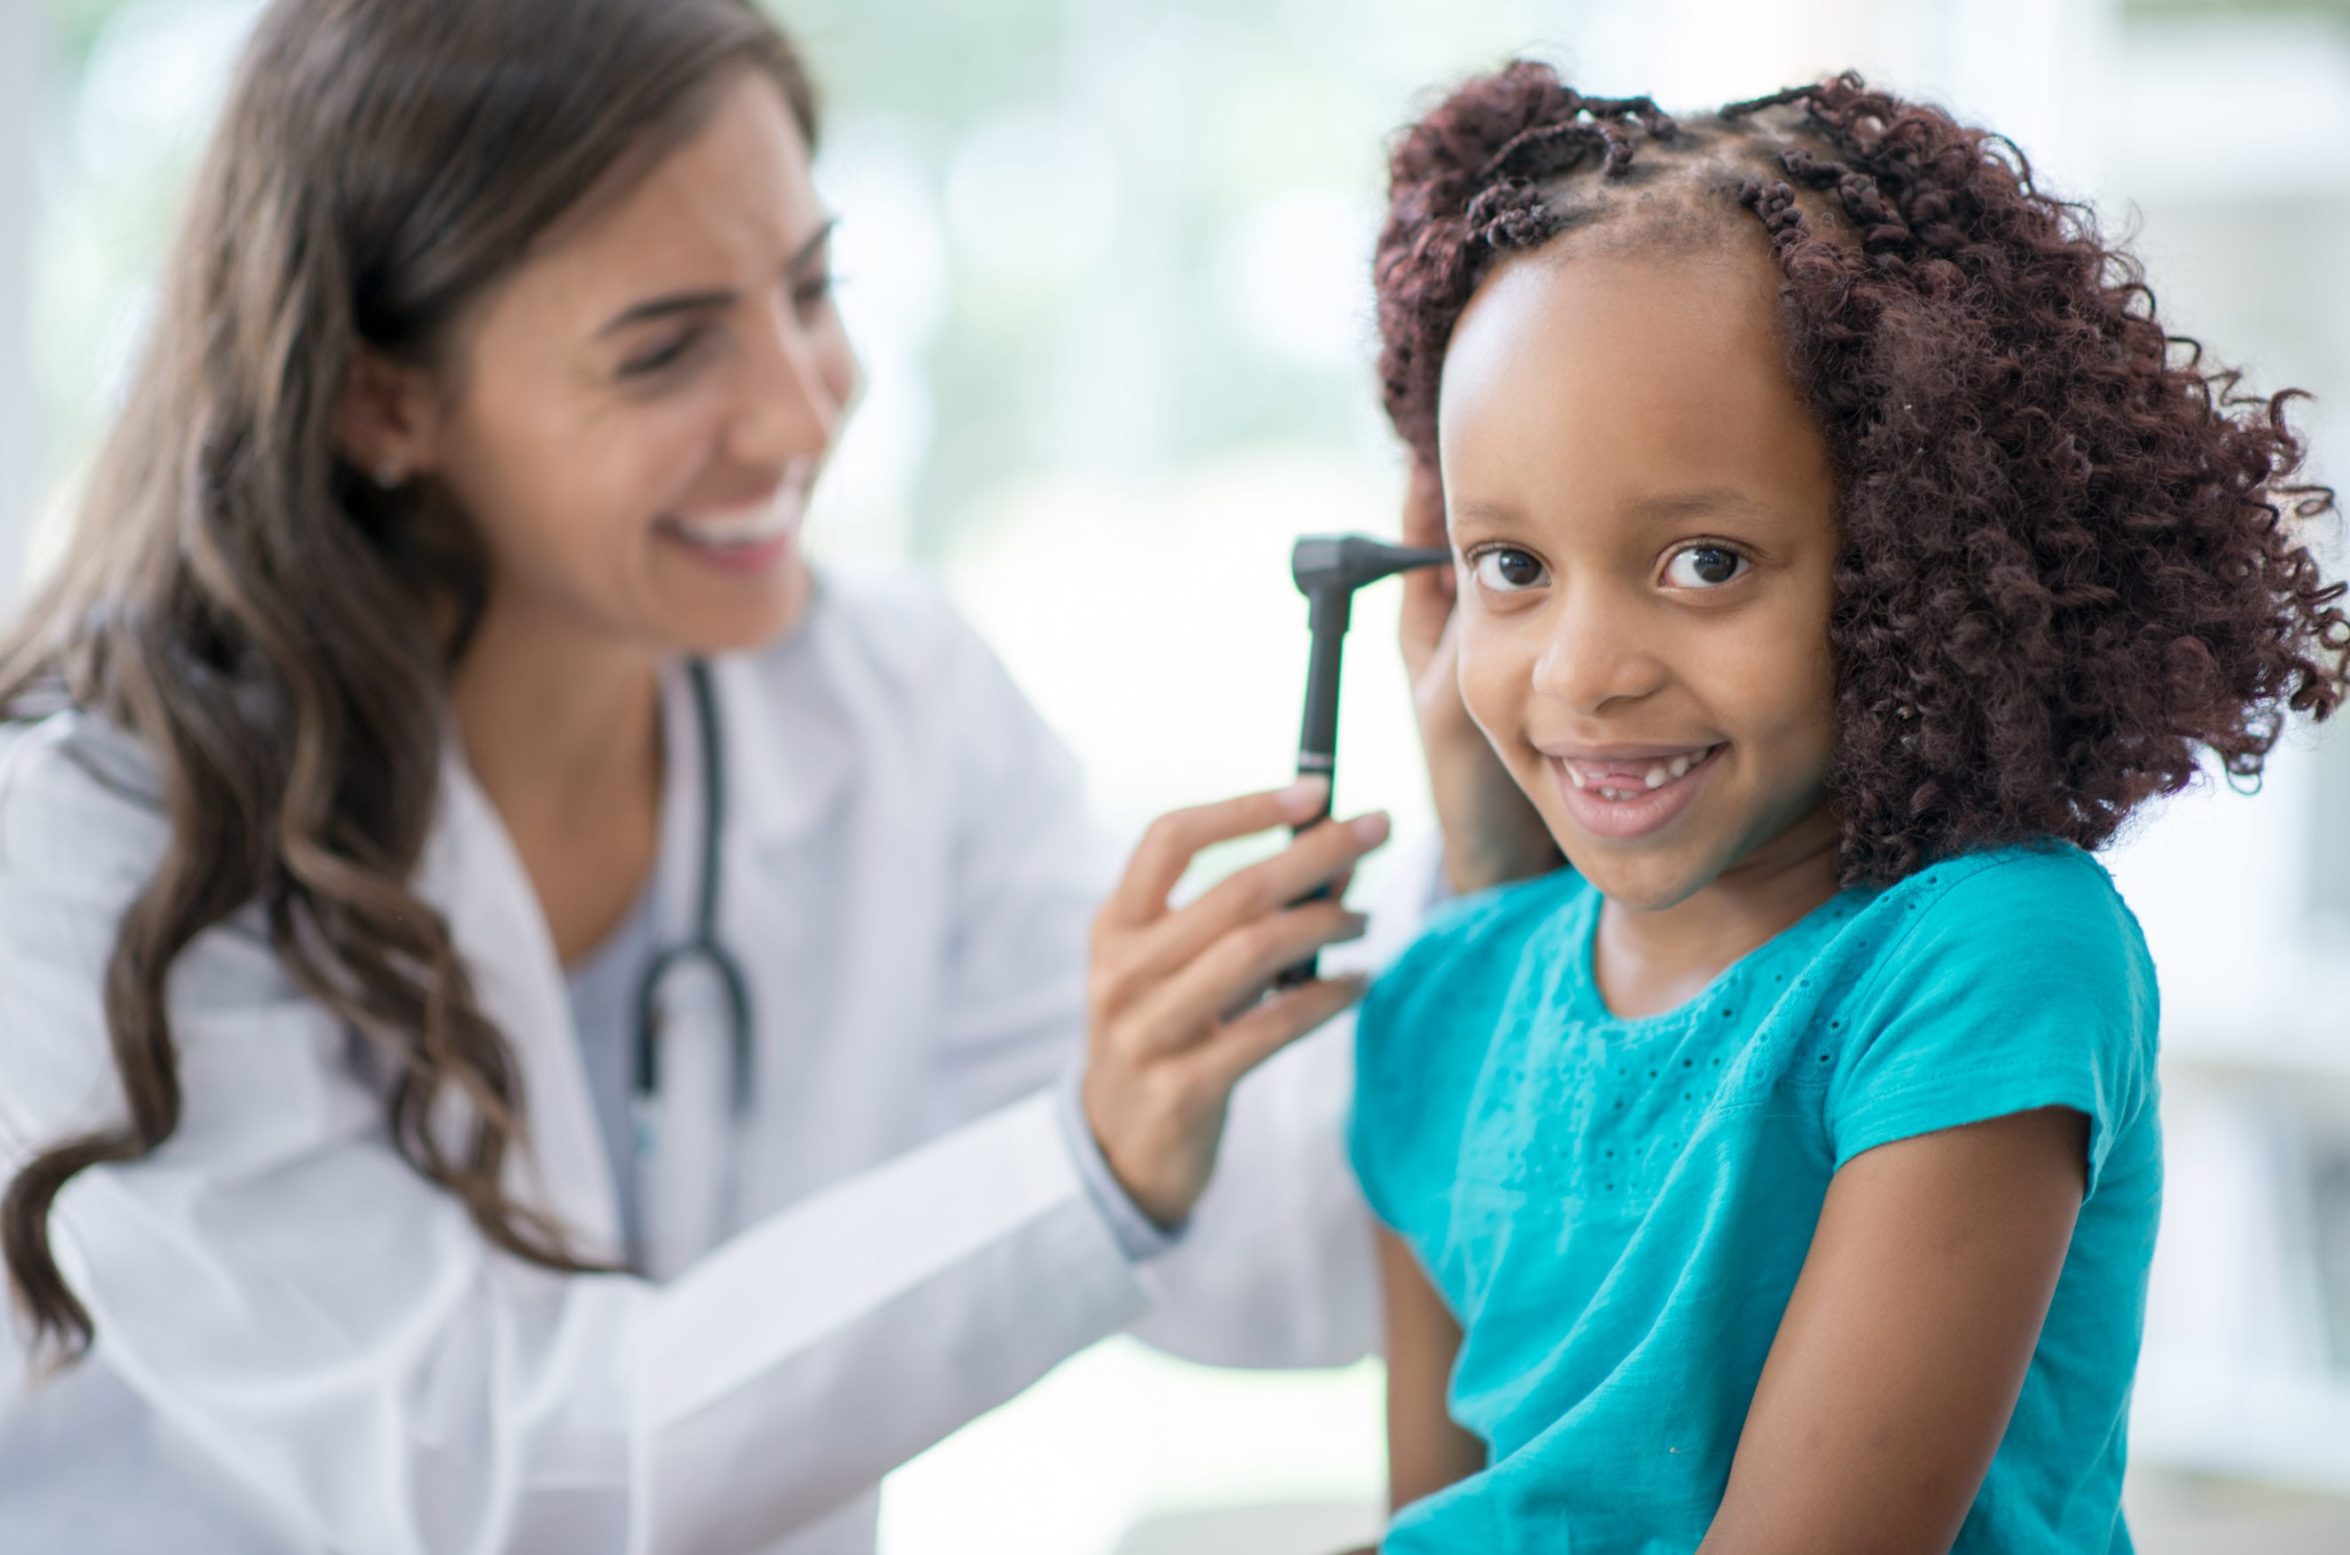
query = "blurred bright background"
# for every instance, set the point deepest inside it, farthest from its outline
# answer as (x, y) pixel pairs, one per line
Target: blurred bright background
(1106, 262)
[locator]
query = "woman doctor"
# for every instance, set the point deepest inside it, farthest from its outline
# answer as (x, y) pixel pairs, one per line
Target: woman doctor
(529, 1021)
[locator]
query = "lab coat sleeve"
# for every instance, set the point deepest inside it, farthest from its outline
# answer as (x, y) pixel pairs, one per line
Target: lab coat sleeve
(288, 1298)
(1275, 1268)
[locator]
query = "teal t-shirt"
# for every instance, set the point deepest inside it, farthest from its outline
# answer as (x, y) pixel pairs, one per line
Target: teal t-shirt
(1616, 1210)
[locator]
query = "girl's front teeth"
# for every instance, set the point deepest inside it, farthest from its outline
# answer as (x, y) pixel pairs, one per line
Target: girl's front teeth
(1658, 775)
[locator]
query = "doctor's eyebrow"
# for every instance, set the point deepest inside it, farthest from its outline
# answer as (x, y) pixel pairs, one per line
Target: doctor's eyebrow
(706, 301)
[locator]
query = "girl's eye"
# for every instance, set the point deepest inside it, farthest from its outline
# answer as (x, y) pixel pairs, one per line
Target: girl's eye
(1506, 570)
(668, 354)
(1704, 567)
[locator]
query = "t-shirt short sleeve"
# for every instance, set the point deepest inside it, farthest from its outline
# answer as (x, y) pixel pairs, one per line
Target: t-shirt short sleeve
(2013, 981)
(1421, 1038)
(1376, 1115)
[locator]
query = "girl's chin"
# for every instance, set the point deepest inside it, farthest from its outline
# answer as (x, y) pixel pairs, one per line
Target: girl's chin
(1653, 887)
(1642, 879)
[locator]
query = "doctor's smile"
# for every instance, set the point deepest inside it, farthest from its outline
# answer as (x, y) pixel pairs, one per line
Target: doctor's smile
(745, 537)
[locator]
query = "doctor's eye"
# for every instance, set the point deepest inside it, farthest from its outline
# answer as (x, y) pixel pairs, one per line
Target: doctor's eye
(1506, 570)
(1704, 567)
(814, 293)
(664, 356)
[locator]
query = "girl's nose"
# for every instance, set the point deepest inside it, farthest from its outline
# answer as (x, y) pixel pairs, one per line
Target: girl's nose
(1596, 653)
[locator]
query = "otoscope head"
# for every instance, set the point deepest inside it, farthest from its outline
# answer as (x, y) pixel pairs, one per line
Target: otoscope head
(1326, 564)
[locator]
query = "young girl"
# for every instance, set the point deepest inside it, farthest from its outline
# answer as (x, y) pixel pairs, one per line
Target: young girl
(1843, 549)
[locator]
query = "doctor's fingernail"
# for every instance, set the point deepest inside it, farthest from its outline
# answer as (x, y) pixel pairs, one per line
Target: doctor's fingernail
(1370, 828)
(1306, 796)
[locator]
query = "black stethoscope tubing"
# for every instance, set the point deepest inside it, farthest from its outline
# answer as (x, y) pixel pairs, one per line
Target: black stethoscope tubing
(701, 946)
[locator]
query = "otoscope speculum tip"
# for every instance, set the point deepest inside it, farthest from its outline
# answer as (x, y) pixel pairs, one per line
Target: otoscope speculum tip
(1320, 563)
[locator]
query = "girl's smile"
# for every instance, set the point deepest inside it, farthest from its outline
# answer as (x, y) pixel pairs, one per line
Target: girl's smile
(1633, 793)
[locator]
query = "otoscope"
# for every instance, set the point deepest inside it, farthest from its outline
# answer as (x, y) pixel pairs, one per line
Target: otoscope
(1328, 570)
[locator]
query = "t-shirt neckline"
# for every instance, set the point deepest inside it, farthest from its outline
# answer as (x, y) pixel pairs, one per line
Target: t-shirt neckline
(1590, 1007)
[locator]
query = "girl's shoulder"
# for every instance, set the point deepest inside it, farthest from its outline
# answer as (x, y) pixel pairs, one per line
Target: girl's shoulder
(1487, 935)
(1992, 983)
(1433, 1022)
(2021, 908)
(1443, 1001)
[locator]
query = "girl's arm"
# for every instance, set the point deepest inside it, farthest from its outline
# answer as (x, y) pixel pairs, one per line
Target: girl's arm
(1906, 1342)
(1425, 1450)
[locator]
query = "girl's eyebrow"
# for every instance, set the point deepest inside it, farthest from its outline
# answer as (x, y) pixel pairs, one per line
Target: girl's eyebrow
(1692, 504)
(705, 301)
(1484, 512)
(1661, 508)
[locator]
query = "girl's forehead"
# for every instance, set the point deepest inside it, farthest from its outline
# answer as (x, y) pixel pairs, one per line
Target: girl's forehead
(1621, 334)
(1605, 379)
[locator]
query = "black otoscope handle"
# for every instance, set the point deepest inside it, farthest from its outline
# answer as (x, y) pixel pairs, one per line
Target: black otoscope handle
(1317, 740)
(1328, 569)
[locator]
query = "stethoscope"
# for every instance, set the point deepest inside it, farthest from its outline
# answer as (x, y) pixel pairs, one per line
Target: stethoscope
(701, 945)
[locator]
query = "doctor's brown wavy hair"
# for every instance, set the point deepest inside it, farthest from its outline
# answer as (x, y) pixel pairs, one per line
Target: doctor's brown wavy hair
(275, 630)
(2072, 553)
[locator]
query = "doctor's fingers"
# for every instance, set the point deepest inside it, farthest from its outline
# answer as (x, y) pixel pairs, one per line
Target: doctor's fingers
(1319, 861)
(1174, 839)
(1185, 1009)
(1238, 1046)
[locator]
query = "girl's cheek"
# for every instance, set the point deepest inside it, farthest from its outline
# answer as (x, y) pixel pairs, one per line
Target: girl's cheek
(1495, 679)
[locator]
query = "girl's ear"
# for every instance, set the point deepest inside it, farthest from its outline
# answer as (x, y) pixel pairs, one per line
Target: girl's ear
(386, 424)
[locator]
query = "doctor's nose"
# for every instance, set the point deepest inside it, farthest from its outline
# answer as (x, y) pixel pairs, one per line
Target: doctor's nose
(794, 392)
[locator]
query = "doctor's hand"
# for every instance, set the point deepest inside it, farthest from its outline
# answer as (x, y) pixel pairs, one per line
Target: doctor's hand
(1492, 832)
(1181, 1001)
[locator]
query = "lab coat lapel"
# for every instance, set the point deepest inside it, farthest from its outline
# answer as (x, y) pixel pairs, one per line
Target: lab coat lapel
(472, 874)
(791, 739)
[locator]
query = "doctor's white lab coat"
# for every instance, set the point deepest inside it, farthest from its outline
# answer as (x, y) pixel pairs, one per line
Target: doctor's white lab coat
(303, 1346)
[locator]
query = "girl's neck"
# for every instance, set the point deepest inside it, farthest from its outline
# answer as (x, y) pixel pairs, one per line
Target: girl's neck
(1647, 962)
(559, 725)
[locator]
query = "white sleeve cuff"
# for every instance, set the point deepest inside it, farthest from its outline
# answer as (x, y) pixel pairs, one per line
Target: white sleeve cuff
(1139, 1237)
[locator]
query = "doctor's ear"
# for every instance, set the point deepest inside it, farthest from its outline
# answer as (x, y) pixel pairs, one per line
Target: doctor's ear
(387, 419)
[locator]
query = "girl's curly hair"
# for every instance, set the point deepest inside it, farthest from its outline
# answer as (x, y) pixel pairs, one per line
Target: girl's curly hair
(2069, 560)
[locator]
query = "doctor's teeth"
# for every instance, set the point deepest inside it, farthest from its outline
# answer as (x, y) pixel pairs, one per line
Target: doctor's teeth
(734, 532)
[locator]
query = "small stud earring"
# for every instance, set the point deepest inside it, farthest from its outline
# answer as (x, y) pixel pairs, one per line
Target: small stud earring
(391, 475)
